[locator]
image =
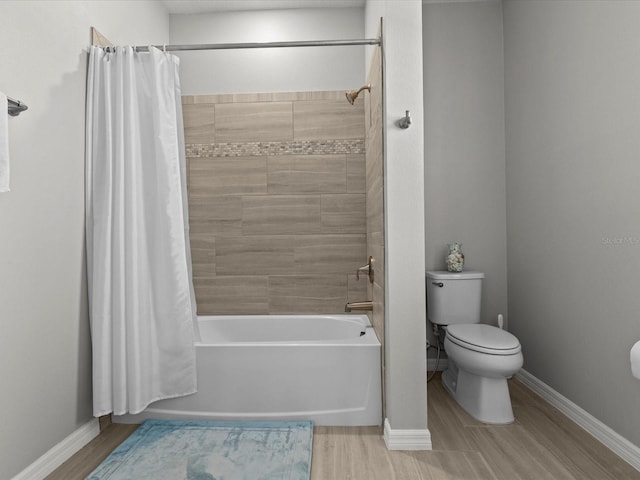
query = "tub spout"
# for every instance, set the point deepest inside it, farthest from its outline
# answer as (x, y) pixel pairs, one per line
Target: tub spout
(351, 306)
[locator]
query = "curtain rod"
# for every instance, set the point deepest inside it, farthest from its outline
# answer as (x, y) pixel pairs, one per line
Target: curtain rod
(15, 107)
(231, 46)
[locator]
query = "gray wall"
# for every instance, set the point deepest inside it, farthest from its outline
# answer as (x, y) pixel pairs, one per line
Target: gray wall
(573, 204)
(270, 70)
(465, 199)
(45, 354)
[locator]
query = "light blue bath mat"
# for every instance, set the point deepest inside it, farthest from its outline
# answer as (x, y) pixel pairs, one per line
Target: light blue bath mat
(204, 450)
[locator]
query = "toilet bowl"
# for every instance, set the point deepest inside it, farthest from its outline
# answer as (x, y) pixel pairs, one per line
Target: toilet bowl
(481, 357)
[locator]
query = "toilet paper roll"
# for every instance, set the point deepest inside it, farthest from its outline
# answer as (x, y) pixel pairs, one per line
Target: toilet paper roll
(635, 360)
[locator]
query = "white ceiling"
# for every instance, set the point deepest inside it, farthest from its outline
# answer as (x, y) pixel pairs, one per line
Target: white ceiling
(205, 6)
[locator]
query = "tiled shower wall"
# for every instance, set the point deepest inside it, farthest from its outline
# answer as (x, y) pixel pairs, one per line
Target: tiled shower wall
(277, 206)
(375, 191)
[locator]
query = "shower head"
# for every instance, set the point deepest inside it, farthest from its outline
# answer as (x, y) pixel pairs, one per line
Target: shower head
(353, 94)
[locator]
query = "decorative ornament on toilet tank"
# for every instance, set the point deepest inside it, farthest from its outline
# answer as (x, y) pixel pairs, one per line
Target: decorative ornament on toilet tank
(455, 257)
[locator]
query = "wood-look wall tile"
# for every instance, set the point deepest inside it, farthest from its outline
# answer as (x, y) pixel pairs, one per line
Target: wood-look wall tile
(377, 317)
(200, 99)
(291, 96)
(375, 204)
(281, 214)
(199, 123)
(367, 110)
(375, 219)
(281, 234)
(329, 254)
(187, 163)
(245, 97)
(317, 120)
(328, 95)
(374, 165)
(344, 213)
(375, 239)
(203, 254)
(307, 294)
(220, 214)
(375, 187)
(251, 97)
(375, 248)
(232, 295)
(211, 176)
(375, 97)
(357, 289)
(307, 174)
(375, 116)
(375, 192)
(254, 122)
(255, 255)
(374, 160)
(356, 169)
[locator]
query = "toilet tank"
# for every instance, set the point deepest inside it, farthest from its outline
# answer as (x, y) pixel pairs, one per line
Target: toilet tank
(454, 297)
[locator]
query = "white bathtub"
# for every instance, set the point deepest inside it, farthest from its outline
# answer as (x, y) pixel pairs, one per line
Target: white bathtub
(324, 368)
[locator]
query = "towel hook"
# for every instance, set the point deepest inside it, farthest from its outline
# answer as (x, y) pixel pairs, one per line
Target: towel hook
(15, 107)
(405, 121)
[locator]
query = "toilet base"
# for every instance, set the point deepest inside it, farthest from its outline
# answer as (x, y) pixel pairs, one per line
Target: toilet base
(485, 399)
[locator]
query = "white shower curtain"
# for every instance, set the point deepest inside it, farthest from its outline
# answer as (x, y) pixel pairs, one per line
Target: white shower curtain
(142, 307)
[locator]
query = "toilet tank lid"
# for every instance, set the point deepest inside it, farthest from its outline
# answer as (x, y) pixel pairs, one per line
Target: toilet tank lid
(444, 275)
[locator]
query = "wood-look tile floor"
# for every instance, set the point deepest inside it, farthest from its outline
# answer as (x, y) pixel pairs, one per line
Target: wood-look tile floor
(541, 444)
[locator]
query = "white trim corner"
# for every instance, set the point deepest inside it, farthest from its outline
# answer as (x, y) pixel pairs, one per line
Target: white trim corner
(615, 442)
(406, 439)
(60, 452)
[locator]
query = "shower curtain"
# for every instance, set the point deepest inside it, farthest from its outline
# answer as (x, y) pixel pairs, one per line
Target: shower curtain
(141, 301)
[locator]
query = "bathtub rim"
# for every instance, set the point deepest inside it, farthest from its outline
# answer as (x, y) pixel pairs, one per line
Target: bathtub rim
(369, 338)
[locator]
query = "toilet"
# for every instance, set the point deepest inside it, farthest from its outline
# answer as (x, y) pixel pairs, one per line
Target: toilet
(481, 357)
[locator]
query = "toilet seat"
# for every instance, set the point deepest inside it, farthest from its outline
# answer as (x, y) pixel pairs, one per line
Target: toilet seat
(484, 339)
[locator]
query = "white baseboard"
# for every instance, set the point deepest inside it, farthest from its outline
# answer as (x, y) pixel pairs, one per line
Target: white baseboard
(442, 364)
(406, 439)
(608, 437)
(61, 452)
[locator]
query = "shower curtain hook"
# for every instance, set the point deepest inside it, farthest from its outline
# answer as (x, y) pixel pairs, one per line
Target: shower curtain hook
(164, 48)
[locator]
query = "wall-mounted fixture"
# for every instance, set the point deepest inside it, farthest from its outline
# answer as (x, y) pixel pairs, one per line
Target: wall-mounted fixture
(15, 107)
(353, 94)
(365, 306)
(368, 269)
(405, 121)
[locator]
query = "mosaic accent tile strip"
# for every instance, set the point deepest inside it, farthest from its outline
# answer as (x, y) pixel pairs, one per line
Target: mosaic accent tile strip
(351, 146)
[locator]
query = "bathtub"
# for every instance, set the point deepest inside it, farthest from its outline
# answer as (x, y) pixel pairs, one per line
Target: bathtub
(324, 368)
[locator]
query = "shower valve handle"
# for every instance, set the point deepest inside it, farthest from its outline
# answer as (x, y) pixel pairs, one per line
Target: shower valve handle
(368, 268)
